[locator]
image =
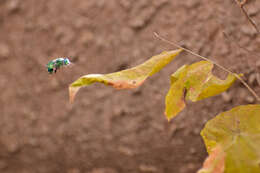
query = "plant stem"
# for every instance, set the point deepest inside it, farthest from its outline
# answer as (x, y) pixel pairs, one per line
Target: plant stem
(241, 5)
(204, 58)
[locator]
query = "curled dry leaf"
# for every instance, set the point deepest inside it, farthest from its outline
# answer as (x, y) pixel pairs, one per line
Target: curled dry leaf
(237, 132)
(198, 82)
(126, 79)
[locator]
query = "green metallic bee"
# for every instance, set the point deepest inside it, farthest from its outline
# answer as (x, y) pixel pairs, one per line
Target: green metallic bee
(55, 64)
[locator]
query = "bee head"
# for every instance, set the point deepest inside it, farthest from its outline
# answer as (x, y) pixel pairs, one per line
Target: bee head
(66, 61)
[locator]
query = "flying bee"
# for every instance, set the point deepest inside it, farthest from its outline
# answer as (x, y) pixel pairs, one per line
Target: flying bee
(55, 64)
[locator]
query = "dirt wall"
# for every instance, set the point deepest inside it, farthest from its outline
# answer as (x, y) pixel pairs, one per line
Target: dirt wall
(109, 131)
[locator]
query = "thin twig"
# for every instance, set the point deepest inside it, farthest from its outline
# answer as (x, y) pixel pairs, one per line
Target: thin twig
(206, 59)
(241, 5)
(241, 47)
(230, 39)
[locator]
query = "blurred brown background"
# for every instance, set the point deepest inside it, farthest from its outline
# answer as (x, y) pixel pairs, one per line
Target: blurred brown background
(109, 131)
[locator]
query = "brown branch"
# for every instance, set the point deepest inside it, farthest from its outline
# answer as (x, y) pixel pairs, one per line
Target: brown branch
(230, 39)
(243, 2)
(241, 5)
(238, 45)
(204, 58)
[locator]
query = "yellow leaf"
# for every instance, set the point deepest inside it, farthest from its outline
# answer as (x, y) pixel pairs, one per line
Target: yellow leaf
(198, 82)
(126, 79)
(237, 132)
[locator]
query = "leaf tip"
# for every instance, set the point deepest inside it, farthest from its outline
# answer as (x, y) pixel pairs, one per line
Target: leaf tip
(72, 93)
(176, 52)
(168, 117)
(179, 50)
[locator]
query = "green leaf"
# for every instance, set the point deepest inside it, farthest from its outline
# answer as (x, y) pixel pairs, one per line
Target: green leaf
(238, 133)
(198, 82)
(126, 79)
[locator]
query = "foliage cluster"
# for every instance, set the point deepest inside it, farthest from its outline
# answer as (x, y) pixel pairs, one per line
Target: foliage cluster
(232, 138)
